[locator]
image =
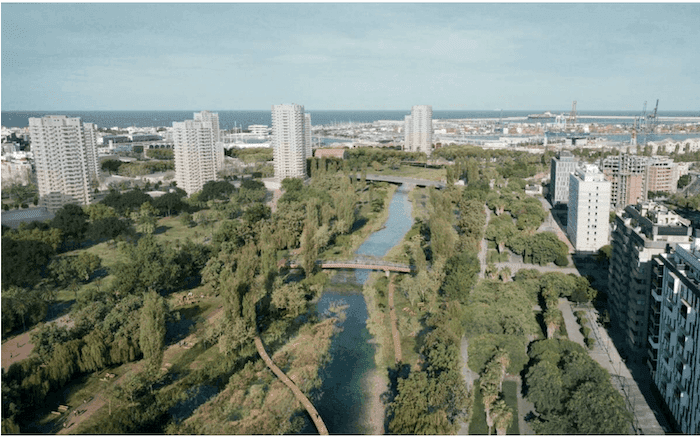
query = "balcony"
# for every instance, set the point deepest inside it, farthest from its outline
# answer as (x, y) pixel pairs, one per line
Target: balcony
(656, 294)
(654, 342)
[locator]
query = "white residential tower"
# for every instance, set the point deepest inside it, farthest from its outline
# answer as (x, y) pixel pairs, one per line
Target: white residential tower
(198, 155)
(418, 129)
(291, 141)
(65, 156)
(589, 209)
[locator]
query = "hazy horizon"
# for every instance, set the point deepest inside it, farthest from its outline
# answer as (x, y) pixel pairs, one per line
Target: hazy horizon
(350, 56)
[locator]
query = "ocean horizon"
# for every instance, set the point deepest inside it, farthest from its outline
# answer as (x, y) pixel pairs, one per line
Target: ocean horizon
(229, 119)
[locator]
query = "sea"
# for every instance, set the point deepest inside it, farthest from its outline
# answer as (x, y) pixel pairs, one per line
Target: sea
(243, 119)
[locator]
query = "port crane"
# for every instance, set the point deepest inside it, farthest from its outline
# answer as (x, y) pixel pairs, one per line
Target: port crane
(572, 114)
(653, 121)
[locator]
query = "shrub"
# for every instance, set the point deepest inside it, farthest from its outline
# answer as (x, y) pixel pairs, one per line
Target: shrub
(590, 342)
(586, 331)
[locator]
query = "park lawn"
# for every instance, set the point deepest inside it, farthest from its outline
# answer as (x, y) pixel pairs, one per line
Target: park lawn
(110, 256)
(409, 171)
(170, 229)
(477, 424)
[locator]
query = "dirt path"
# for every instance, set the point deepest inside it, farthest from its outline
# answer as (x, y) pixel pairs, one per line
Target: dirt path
(398, 356)
(20, 347)
(16, 349)
(320, 426)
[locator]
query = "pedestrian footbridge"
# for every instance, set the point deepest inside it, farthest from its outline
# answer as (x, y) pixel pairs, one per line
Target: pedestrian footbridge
(361, 263)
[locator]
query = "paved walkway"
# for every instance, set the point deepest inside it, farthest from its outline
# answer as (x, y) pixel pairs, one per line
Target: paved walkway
(484, 244)
(605, 354)
(524, 406)
(320, 426)
(468, 376)
(515, 266)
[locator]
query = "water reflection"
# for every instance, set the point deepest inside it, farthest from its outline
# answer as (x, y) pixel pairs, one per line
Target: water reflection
(346, 390)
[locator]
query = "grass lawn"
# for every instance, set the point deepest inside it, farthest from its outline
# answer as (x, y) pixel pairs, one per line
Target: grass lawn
(170, 229)
(477, 424)
(409, 171)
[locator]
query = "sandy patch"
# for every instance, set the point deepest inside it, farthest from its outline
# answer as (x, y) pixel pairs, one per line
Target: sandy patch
(16, 349)
(376, 384)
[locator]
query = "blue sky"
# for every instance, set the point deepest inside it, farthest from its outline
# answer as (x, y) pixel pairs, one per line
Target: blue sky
(224, 56)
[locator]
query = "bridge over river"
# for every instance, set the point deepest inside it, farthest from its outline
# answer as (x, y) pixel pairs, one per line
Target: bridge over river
(403, 180)
(361, 263)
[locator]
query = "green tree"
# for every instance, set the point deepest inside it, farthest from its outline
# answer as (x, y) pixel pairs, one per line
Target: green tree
(503, 416)
(71, 220)
(145, 218)
(152, 329)
(461, 273)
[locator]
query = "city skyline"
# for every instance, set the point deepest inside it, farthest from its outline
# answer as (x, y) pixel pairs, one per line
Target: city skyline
(356, 56)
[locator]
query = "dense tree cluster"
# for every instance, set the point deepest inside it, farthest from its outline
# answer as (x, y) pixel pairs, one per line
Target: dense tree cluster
(572, 393)
(435, 399)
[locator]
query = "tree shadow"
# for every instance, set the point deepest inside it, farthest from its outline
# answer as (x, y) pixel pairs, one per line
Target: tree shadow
(162, 229)
(359, 223)
(177, 330)
(399, 371)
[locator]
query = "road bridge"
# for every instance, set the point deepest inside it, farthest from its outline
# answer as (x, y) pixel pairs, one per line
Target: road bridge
(403, 180)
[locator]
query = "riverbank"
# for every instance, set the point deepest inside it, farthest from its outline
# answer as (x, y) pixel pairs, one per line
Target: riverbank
(375, 222)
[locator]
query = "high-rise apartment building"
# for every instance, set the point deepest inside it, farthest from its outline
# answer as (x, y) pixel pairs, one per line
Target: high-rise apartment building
(674, 339)
(198, 156)
(65, 157)
(291, 143)
(589, 209)
(662, 175)
(418, 129)
(640, 232)
(307, 132)
(212, 117)
(562, 166)
(633, 176)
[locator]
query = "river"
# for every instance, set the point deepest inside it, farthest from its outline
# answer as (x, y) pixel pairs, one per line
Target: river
(349, 394)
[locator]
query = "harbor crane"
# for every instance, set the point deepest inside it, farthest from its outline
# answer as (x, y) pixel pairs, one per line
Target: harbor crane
(572, 114)
(653, 121)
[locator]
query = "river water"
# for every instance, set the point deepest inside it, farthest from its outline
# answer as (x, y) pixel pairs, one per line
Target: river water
(347, 400)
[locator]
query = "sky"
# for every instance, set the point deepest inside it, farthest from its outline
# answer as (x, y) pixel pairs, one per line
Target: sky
(358, 56)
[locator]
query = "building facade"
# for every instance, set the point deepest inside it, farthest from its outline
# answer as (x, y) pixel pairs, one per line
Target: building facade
(65, 157)
(290, 141)
(198, 156)
(662, 175)
(418, 129)
(589, 209)
(675, 339)
(633, 176)
(213, 118)
(640, 232)
(562, 166)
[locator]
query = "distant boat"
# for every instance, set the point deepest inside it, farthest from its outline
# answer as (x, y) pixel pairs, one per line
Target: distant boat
(545, 114)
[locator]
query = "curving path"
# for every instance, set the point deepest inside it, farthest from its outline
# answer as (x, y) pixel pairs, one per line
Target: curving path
(398, 355)
(320, 426)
